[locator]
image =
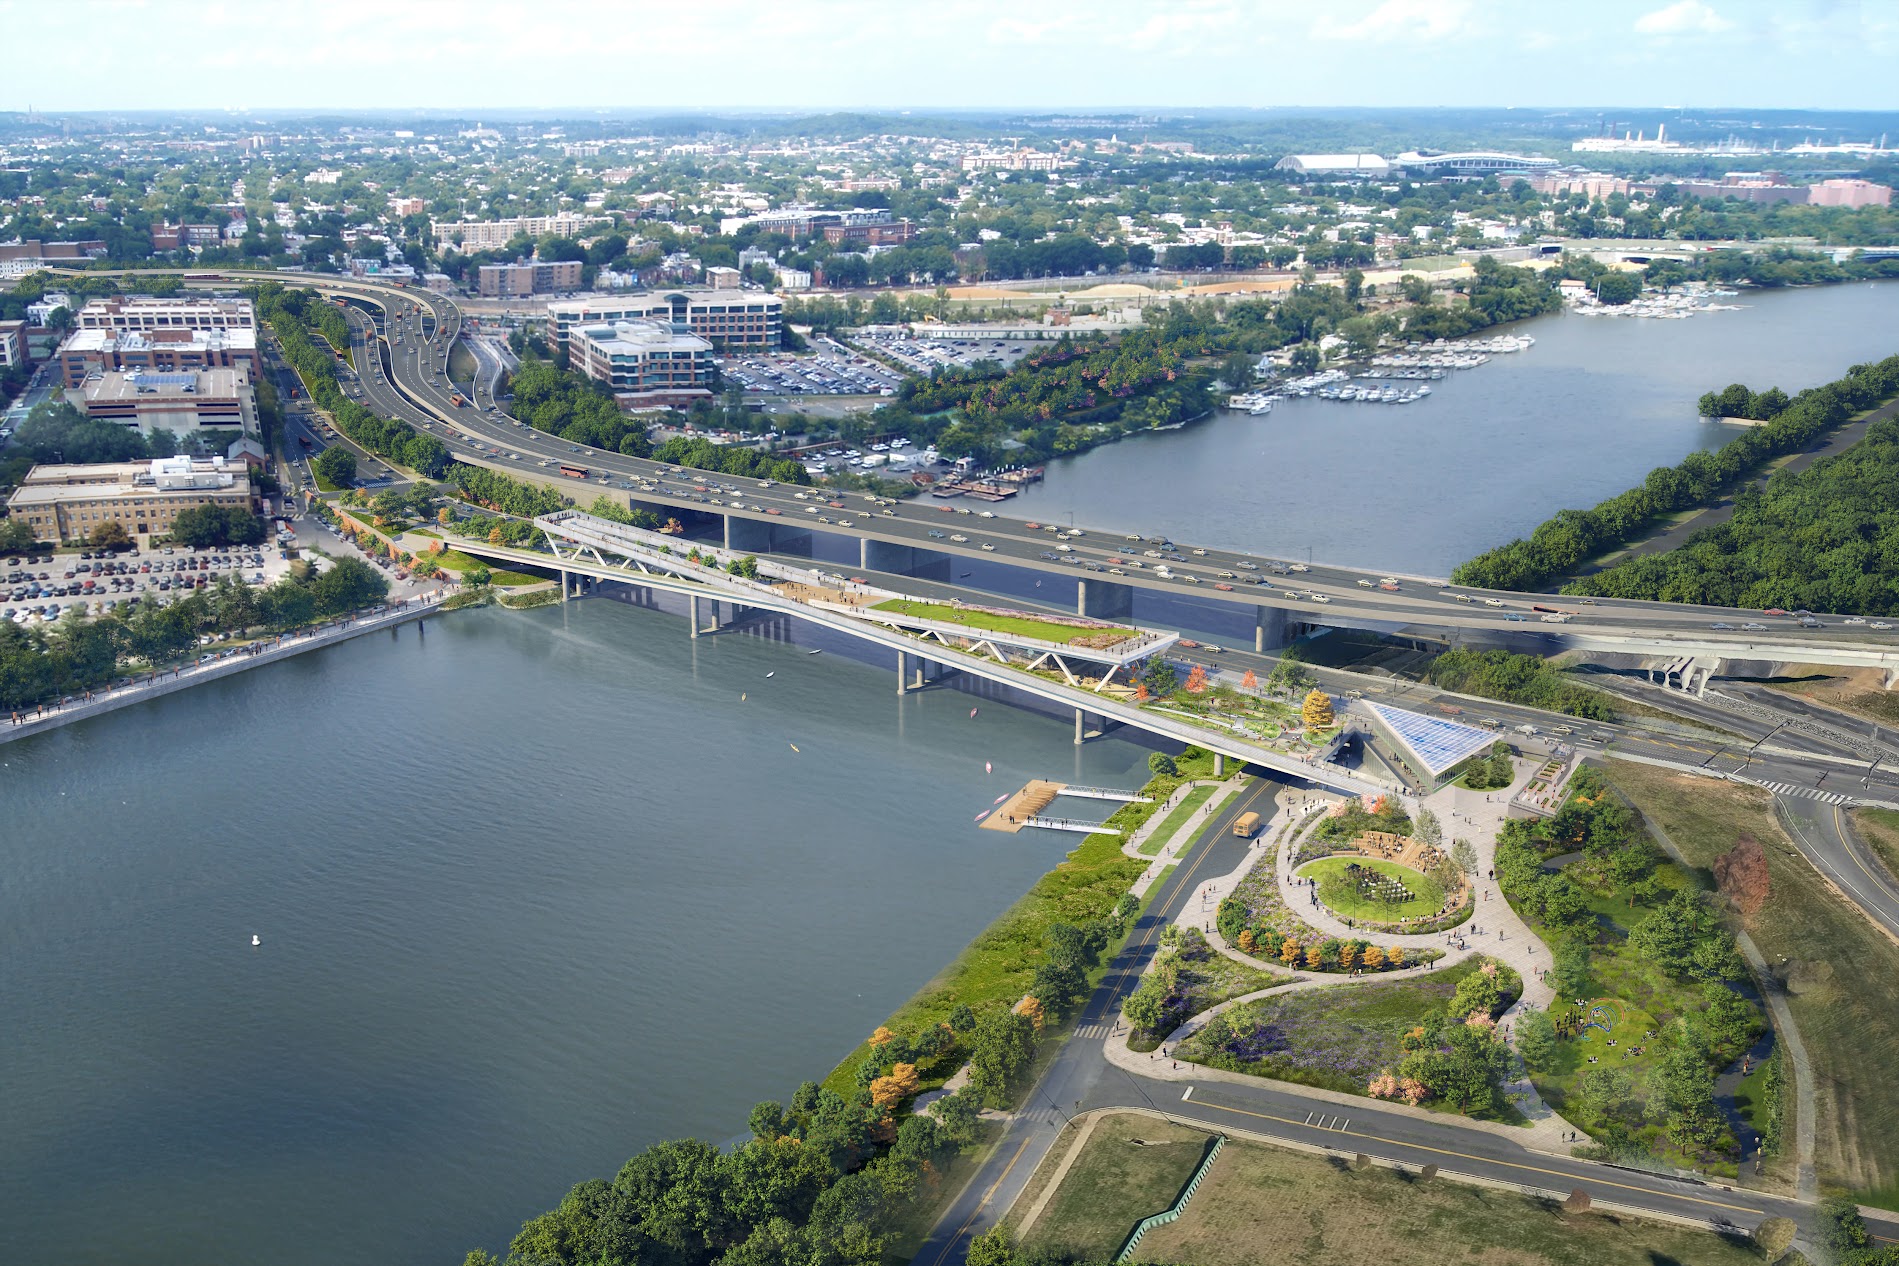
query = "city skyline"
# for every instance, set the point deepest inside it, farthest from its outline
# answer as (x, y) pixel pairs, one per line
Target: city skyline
(843, 54)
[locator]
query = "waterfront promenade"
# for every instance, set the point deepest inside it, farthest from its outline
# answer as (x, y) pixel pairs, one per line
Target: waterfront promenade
(215, 663)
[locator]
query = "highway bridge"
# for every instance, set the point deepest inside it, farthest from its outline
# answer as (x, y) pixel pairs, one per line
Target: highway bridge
(403, 372)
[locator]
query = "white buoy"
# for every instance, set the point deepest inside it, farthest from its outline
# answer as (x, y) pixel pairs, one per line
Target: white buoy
(256, 939)
(772, 673)
(988, 768)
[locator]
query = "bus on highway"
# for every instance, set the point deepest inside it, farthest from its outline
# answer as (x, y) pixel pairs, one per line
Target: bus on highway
(1246, 825)
(573, 472)
(304, 440)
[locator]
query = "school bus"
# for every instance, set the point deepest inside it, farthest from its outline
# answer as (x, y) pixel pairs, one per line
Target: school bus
(1246, 825)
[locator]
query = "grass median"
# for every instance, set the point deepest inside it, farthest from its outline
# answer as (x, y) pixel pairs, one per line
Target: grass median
(990, 622)
(1262, 1205)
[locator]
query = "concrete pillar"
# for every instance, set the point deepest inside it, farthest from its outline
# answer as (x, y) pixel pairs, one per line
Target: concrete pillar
(1219, 764)
(1105, 600)
(692, 613)
(563, 585)
(1271, 628)
(903, 672)
(1078, 726)
(726, 519)
(863, 557)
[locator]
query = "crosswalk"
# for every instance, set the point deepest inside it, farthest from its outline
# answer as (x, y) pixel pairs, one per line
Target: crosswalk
(1809, 793)
(1098, 1029)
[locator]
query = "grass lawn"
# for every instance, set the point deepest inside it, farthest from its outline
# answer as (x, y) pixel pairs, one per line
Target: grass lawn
(455, 560)
(1132, 1166)
(1339, 891)
(1261, 1205)
(1172, 822)
(1880, 829)
(508, 579)
(1842, 976)
(1337, 1038)
(1042, 630)
(428, 532)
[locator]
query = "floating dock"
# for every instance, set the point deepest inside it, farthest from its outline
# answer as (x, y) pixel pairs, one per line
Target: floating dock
(1025, 808)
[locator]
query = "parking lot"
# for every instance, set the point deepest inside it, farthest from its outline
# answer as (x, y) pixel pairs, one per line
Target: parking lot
(924, 355)
(43, 587)
(834, 371)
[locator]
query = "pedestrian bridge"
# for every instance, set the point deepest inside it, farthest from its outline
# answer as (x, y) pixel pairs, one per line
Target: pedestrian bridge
(603, 551)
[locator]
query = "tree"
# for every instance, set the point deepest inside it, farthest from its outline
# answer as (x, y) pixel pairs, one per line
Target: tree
(337, 465)
(1740, 875)
(1536, 1037)
(992, 1248)
(1569, 969)
(886, 1093)
(1000, 1048)
(1197, 680)
(108, 535)
(1464, 856)
(1428, 830)
(1618, 288)
(1250, 681)
(1317, 711)
(1774, 1236)
(1162, 764)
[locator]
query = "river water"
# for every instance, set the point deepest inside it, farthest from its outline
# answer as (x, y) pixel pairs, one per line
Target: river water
(538, 889)
(535, 889)
(1588, 411)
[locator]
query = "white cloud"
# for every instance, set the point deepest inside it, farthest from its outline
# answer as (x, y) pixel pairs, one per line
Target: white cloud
(1684, 17)
(1400, 20)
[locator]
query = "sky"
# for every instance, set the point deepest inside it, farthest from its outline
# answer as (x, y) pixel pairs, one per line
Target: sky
(740, 55)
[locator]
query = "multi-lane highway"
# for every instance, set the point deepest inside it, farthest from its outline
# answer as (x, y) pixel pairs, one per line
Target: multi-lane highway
(408, 378)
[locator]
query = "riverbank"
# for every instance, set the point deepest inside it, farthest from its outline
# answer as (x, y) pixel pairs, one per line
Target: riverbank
(221, 663)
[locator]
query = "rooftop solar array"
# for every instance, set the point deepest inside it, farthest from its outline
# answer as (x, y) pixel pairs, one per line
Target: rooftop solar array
(1433, 742)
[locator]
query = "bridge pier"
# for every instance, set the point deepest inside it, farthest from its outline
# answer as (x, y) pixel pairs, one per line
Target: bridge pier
(692, 614)
(902, 560)
(1079, 718)
(747, 534)
(903, 674)
(1104, 600)
(1219, 764)
(1269, 627)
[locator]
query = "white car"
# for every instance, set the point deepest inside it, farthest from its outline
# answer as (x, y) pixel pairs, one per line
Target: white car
(959, 538)
(1881, 625)
(987, 548)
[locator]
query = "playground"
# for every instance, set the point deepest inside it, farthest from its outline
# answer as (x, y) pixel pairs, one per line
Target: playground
(1374, 890)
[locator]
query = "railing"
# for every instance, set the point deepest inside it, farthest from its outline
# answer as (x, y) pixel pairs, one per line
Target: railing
(1103, 793)
(1147, 1224)
(1071, 824)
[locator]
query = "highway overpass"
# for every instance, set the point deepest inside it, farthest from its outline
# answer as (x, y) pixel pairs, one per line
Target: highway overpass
(926, 536)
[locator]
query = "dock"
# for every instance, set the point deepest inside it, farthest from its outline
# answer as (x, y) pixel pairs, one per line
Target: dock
(1013, 814)
(1025, 808)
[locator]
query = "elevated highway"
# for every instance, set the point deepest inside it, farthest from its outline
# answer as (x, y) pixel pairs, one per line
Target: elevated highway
(408, 379)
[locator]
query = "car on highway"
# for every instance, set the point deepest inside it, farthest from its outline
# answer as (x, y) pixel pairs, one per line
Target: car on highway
(1719, 625)
(1755, 628)
(1881, 625)
(1319, 597)
(933, 532)
(959, 538)
(1247, 566)
(988, 548)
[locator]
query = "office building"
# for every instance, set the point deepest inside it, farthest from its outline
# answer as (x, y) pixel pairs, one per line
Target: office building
(510, 281)
(181, 402)
(648, 364)
(66, 503)
(135, 312)
(17, 259)
(12, 344)
(1849, 193)
(724, 318)
(85, 353)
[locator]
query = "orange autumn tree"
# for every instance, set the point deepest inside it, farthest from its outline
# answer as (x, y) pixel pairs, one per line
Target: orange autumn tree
(1250, 681)
(1197, 681)
(1289, 952)
(1317, 711)
(1140, 692)
(881, 1037)
(887, 1092)
(1374, 958)
(1032, 1008)
(1248, 943)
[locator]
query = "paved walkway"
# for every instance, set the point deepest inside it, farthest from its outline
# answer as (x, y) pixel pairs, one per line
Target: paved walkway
(220, 661)
(1494, 930)
(1184, 835)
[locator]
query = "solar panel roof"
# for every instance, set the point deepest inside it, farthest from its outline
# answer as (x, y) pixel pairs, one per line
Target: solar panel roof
(1436, 743)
